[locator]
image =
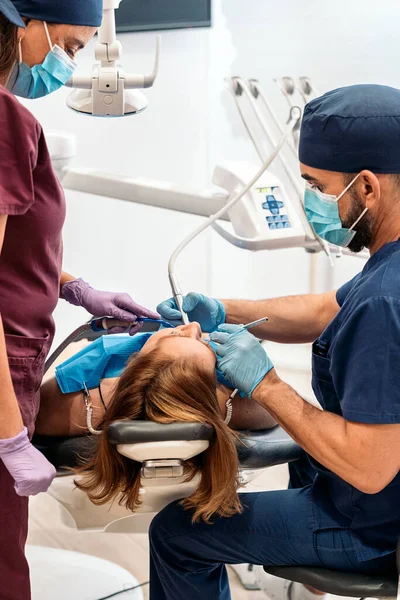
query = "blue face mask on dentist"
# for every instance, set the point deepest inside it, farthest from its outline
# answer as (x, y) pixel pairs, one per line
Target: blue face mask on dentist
(41, 80)
(323, 215)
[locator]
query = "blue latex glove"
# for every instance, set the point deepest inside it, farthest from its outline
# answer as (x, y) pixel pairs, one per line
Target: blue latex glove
(240, 357)
(208, 312)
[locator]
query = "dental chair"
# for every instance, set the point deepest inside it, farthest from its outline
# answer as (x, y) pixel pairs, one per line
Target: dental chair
(162, 450)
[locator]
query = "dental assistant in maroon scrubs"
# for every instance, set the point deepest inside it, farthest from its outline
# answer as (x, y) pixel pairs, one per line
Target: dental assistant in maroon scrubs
(38, 43)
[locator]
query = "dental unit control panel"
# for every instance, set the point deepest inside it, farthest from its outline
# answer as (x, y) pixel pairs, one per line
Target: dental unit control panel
(264, 218)
(277, 215)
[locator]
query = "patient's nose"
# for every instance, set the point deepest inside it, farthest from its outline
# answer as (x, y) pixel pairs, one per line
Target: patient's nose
(192, 330)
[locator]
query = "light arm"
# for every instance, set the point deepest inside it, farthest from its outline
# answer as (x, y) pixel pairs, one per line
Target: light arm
(107, 91)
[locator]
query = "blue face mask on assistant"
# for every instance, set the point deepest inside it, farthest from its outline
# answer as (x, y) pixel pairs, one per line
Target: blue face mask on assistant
(41, 80)
(322, 213)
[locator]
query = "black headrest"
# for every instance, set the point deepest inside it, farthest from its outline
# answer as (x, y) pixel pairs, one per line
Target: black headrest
(136, 432)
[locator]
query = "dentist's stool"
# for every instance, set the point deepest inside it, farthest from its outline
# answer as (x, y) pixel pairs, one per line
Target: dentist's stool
(340, 583)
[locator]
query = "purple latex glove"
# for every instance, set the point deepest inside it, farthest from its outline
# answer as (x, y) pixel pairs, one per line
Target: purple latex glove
(102, 304)
(31, 471)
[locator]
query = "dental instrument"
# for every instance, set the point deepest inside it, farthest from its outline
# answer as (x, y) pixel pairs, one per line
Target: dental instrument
(249, 325)
(257, 93)
(306, 89)
(287, 87)
(161, 322)
(255, 323)
(109, 91)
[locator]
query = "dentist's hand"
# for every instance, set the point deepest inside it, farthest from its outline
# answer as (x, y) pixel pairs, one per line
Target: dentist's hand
(31, 471)
(208, 312)
(240, 357)
(110, 304)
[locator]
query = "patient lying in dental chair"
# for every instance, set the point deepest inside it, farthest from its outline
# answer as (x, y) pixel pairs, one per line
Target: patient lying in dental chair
(165, 377)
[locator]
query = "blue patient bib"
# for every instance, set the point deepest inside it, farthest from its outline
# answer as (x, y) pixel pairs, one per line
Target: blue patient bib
(102, 359)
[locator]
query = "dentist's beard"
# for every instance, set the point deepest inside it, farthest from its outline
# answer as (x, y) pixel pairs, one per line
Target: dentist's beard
(363, 237)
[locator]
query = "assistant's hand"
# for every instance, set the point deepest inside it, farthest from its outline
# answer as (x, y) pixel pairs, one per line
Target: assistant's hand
(240, 357)
(110, 304)
(31, 471)
(208, 312)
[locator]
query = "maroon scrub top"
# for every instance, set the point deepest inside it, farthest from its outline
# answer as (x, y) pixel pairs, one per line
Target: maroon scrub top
(32, 197)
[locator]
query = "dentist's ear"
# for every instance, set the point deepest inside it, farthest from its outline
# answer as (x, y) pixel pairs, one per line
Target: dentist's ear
(369, 188)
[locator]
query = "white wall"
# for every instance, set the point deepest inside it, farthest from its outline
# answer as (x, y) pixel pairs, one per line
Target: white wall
(191, 124)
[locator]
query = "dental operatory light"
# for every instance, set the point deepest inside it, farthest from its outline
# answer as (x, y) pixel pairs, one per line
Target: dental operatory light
(109, 91)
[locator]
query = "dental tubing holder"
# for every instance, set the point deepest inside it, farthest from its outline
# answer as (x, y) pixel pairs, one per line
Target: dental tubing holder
(294, 117)
(108, 91)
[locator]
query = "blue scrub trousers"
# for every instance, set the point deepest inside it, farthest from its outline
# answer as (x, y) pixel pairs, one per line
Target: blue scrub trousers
(188, 561)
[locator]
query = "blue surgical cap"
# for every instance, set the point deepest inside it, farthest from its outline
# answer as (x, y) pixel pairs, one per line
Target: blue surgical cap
(351, 129)
(68, 12)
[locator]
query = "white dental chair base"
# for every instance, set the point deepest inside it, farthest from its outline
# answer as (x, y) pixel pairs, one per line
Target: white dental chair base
(67, 575)
(78, 512)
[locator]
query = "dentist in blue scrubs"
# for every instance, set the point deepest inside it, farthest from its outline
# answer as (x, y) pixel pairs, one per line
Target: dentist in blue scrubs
(341, 510)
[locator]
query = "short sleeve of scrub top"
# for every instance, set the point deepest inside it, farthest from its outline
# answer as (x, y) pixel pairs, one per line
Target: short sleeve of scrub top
(18, 157)
(366, 375)
(345, 289)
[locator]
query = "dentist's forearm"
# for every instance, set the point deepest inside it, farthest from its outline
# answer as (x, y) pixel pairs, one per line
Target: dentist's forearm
(366, 456)
(291, 319)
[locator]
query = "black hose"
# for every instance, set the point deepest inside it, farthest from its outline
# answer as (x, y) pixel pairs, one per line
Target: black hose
(135, 587)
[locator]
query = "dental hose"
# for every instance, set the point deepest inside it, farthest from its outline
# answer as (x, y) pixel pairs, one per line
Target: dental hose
(295, 116)
(75, 335)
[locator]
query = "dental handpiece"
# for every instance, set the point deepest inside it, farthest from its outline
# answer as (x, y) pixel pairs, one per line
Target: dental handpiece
(178, 297)
(105, 323)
